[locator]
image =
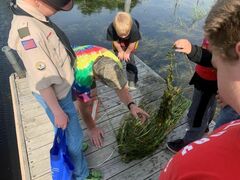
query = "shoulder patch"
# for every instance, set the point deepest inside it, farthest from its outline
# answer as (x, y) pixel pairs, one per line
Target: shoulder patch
(23, 32)
(29, 44)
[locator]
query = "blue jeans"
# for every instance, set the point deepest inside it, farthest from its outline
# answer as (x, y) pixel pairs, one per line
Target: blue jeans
(74, 134)
(226, 115)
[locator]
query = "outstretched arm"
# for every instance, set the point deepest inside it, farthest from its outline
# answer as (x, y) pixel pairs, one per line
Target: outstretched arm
(119, 49)
(126, 98)
(95, 133)
(194, 53)
(128, 51)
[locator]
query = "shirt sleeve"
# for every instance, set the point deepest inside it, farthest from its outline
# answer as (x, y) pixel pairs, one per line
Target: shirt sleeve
(200, 56)
(42, 67)
(111, 33)
(135, 33)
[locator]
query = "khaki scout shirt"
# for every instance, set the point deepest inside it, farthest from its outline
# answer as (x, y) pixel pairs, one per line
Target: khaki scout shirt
(44, 56)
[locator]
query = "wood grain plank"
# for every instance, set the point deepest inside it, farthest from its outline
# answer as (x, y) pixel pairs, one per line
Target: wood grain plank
(38, 131)
(24, 165)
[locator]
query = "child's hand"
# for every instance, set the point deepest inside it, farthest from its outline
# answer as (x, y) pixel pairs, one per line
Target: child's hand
(96, 136)
(126, 56)
(138, 113)
(61, 119)
(121, 55)
(183, 45)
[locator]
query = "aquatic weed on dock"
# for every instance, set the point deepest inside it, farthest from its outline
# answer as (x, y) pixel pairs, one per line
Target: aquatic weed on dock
(136, 140)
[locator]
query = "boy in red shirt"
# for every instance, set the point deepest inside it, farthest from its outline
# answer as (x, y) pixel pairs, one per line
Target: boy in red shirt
(210, 158)
(216, 157)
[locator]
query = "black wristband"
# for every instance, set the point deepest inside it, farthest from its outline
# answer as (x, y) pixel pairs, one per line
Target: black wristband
(129, 105)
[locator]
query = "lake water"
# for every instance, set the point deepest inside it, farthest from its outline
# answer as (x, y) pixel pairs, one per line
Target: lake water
(161, 23)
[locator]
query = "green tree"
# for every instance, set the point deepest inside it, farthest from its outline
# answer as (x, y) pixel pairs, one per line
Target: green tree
(88, 7)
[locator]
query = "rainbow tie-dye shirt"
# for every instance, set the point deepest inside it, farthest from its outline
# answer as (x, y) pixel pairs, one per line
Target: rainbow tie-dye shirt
(83, 67)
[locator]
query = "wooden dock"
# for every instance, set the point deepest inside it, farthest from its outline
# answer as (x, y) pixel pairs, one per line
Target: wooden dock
(35, 132)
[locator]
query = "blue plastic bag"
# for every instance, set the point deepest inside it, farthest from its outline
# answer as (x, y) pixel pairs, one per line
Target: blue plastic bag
(61, 165)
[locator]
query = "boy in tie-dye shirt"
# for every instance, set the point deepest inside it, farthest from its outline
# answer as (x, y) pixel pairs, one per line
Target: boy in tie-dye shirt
(97, 63)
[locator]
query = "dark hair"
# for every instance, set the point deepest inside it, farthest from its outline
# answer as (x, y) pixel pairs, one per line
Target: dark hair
(57, 4)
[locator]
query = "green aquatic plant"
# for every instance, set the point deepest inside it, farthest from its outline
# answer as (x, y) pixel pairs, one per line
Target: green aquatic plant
(198, 14)
(176, 5)
(88, 7)
(136, 140)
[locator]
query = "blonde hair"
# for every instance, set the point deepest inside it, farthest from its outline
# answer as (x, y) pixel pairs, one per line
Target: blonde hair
(222, 27)
(123, 23)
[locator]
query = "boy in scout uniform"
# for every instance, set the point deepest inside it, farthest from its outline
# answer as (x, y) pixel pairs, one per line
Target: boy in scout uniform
(47, 56)
(98, 63)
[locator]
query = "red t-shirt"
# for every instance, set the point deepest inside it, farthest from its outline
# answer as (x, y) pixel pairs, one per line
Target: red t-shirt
(216, 157)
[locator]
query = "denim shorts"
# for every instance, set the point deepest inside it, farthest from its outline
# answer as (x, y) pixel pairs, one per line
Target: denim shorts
(226, 115)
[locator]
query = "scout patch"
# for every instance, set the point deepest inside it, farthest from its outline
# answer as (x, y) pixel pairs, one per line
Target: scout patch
(40, 66)
(29, 44)
(23, 32)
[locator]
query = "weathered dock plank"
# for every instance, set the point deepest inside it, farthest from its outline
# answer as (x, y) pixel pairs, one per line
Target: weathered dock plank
(24, 165)
(35, 132)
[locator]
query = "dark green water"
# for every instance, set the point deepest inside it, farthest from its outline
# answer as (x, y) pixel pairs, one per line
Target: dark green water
(9, 168)
(161, 23)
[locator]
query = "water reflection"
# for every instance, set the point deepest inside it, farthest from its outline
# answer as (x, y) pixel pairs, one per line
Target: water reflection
(161, 23)
(9, 164)
(88, 7)
(176, 5)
